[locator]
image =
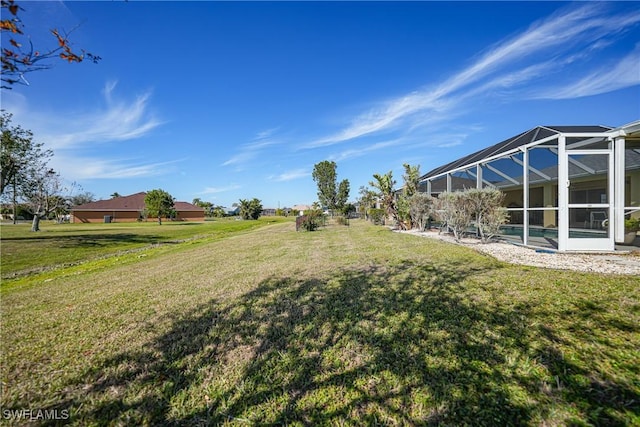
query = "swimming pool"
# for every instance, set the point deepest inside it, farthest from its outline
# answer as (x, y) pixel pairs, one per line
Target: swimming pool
(551, 233)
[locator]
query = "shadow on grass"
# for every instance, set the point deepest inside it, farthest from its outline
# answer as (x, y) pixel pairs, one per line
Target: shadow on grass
(89, 240)
(402, 344)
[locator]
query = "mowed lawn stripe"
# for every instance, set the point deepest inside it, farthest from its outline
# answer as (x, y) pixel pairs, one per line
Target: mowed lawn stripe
(350, 325)
(61, 245)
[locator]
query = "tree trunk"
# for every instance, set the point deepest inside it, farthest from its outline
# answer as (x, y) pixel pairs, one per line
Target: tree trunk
(35, 225)
(159, 219)
(15, 202)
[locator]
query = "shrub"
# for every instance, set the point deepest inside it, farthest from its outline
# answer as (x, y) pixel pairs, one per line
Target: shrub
(631, 225)
(341, 220)
(485, 206)
(458, 210)
(455, 212)
(420, 209)
(403, 214)
(310, 221)
(376, 216)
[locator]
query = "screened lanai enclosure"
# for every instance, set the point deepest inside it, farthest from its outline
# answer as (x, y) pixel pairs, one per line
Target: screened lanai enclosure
(568, 188)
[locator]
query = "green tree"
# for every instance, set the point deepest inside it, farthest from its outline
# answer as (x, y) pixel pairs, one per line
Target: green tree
(82, 198)
(207, 206)
(411, 179)
(324, 174)
(42, 194)
(20, 156)
(159, 203)
(343, 195)
(367, 200)
(250, 209)
(22, 161)
(403, 210)
(384, 184)
(347, 209)
(115, 194)
(218, 212)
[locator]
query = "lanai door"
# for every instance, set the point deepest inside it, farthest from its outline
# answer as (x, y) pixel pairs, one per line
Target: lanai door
(589, 193)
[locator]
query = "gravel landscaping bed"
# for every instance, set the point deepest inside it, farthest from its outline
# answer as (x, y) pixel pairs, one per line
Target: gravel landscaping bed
(596, 263)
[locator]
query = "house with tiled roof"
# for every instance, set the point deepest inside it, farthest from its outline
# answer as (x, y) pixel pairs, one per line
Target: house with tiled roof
(130, 209)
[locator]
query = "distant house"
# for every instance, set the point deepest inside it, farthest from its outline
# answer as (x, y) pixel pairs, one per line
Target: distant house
(301, 207)
(129, 209)
(231, 211)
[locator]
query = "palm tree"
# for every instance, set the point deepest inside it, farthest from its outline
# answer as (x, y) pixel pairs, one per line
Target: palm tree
(245, 208)
(250, 209)
(411, 179)
(384, 184)
(116, 194)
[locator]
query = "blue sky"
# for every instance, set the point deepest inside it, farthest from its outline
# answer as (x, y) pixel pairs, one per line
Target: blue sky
(231, 100)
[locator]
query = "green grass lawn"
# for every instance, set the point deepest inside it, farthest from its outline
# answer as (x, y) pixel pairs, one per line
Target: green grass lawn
(347, 325)
(56, 245)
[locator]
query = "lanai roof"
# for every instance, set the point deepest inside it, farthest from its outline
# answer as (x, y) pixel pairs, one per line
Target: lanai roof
(533, 135)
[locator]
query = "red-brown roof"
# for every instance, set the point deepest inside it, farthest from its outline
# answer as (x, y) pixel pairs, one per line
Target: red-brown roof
(134, 202)
(186, 206)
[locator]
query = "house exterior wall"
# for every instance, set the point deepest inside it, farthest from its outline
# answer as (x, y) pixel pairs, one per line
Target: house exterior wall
(190, 216)
(98, 216)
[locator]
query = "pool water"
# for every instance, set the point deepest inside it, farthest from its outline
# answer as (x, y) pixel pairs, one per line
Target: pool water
(551, 233)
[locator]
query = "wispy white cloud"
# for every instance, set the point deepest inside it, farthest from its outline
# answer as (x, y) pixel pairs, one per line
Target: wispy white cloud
(547, 46)
(82, 168)
(359, 152)
(119, 120)
(291, 175)
(253, 148)
(240, 158)
(214, 190)
(453, 143)
(73, 136)
(605, 79)
(267, 133)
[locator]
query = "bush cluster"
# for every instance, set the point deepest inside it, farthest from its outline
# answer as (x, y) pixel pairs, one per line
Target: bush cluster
(460, 210)
(457, 211)
(376, 216)
(342, 220)
(311, 220)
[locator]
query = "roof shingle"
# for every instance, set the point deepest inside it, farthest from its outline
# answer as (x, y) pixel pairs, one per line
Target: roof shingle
(133, 202)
